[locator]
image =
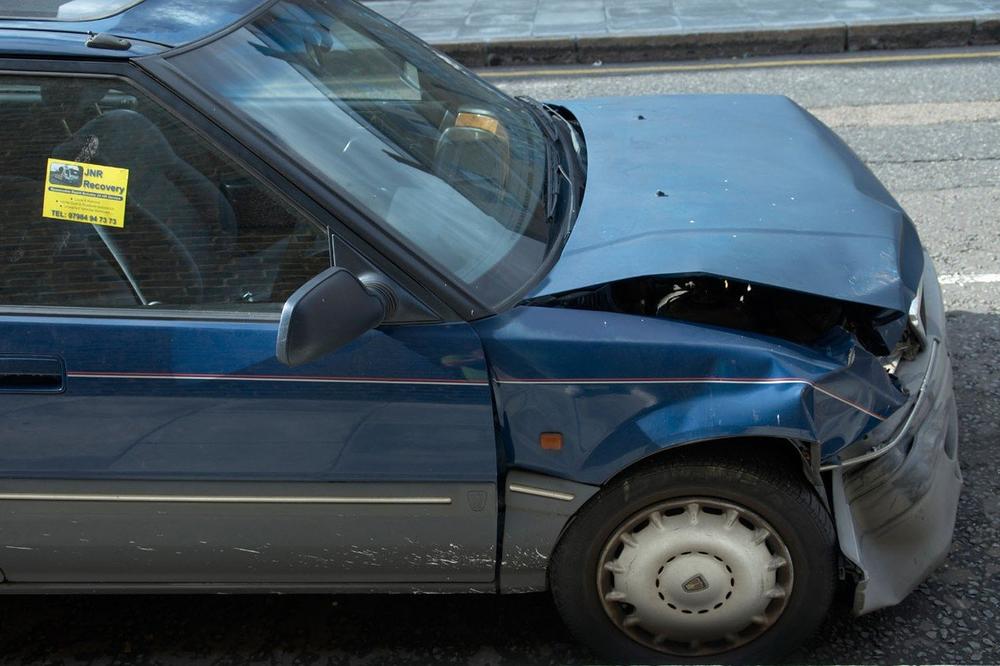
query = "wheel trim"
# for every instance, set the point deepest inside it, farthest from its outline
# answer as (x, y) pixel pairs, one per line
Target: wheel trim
(694, 576)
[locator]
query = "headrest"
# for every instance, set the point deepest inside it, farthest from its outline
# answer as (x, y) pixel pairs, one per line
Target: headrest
(125, 139)
(67, 96)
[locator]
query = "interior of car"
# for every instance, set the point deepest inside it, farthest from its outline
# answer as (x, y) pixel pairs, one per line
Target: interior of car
(199, 232)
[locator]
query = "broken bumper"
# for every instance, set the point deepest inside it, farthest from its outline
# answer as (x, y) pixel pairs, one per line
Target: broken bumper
(895, 508)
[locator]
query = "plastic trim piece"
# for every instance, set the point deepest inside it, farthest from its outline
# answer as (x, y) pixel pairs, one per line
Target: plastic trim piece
(218, 499)
(541, 492)
(532, 525)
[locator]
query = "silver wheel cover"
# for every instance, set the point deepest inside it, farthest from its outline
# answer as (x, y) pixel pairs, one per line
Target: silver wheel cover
(694, 576)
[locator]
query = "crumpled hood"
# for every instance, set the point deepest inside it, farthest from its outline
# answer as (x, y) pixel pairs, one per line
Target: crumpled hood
(747, 187)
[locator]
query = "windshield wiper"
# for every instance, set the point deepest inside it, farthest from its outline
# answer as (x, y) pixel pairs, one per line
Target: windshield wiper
(547, 124)
(543, 116)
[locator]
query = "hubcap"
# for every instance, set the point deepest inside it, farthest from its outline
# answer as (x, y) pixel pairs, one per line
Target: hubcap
(694, 576)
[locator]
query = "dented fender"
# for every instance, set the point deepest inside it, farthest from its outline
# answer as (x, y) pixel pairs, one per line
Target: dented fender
(638, 385)
(895, 506)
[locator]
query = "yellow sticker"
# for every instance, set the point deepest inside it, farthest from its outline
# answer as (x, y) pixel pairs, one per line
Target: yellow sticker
(81, 192)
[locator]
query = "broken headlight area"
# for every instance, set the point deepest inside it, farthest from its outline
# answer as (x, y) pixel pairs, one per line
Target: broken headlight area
(790, 315)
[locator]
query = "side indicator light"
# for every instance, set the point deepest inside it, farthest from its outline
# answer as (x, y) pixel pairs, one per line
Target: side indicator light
(551, 441)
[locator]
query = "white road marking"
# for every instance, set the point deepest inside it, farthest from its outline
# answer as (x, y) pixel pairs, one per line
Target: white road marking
(961, 279)
(894, 115)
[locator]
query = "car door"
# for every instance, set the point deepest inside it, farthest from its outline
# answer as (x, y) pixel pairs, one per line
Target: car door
(147, 432)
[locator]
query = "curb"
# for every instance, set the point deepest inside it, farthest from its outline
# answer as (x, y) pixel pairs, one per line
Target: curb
(803, 39)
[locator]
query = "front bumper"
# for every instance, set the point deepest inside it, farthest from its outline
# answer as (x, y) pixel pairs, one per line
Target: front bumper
(895, 512)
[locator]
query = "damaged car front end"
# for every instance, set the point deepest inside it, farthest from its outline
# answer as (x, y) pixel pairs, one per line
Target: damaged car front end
(895, 492)
(742, 278)
(374, 325)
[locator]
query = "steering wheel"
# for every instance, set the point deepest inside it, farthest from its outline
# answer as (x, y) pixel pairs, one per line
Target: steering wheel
(475, 150)
(148, 249)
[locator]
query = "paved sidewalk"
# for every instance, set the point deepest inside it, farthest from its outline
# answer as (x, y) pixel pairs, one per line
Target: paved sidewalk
(506, 32)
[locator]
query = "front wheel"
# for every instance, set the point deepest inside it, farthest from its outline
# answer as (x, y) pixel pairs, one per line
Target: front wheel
(699, 559)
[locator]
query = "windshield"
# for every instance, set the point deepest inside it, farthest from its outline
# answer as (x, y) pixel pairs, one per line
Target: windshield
(451, 166)
(64, 10)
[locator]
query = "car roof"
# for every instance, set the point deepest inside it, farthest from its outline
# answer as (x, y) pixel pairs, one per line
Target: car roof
(150, 25)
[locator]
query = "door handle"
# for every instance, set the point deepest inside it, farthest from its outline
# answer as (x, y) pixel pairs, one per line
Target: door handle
(32, 374)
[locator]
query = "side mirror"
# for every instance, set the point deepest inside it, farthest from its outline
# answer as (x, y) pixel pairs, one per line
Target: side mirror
(325, 314)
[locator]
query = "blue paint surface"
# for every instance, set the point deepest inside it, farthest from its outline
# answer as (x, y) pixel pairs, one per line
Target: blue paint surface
(384, 418)
(150, 25)
(756, 189)
(633, 386)
(751, 188)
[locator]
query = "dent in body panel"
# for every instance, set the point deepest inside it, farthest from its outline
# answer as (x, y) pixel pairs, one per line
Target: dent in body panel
(754, 189)
(718, 300)
(638, 385)
(895, 514)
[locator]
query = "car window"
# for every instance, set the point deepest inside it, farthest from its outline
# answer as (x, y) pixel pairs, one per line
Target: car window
(64, 10)
(110, 201)
(450, 166)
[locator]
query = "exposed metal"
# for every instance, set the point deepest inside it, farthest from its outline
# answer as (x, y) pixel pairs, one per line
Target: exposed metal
(895, 513)
(916, 315)
(695, 576)
(905, 431)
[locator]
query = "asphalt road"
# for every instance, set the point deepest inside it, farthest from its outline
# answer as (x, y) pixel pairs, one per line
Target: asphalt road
(931, 130)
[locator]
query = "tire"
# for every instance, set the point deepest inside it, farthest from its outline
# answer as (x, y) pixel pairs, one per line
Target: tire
(711, 576)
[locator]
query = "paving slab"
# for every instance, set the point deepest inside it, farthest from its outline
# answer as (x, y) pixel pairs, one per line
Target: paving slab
(484, 33)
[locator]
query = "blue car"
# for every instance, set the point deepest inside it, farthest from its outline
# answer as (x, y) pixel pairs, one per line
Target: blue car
(290, 302)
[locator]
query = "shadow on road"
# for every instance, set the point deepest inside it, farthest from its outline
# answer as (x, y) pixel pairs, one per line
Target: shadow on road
(369, 629)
